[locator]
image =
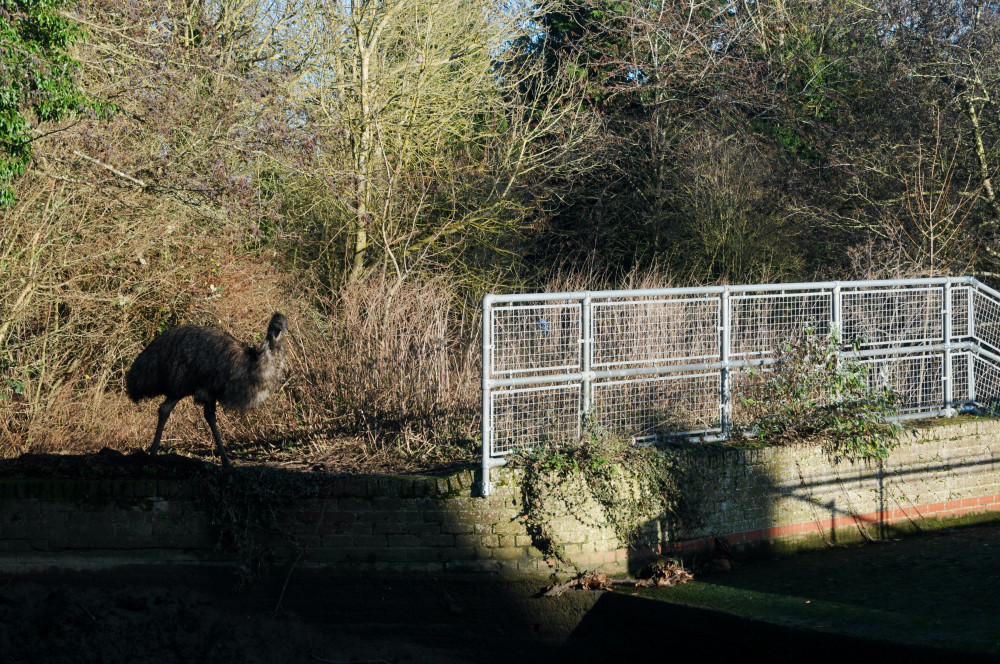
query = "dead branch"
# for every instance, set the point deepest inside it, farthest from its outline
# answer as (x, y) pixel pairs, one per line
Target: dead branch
(112, 169)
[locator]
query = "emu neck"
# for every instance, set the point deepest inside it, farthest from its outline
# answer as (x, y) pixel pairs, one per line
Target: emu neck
(270, 359)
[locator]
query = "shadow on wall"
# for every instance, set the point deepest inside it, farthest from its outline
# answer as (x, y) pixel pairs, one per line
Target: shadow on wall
(753, 496)
(399, 553)
(173, 614)
(259, 564)
(721, 491)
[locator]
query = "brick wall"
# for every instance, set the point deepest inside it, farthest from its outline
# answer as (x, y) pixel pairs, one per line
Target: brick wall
(942, 470)
(435, 524)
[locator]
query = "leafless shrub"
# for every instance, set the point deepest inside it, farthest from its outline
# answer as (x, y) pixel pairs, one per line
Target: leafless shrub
(394, 378)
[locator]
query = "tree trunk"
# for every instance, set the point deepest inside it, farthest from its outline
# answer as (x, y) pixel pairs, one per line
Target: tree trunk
(362, 158)
(970, 109)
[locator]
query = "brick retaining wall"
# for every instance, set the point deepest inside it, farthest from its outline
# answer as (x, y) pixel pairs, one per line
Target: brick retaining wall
(946, 469)
(435, 524)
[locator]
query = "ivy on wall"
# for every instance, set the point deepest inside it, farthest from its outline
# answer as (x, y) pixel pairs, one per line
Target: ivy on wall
(633, 486)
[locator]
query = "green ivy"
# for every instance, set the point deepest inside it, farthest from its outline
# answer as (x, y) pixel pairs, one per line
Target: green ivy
(632, 484)
(38, 80)
(816, 395)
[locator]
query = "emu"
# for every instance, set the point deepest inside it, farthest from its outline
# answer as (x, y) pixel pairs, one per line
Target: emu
(210, 365)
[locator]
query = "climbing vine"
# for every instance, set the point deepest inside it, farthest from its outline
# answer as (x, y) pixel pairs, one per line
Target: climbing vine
(633, 485)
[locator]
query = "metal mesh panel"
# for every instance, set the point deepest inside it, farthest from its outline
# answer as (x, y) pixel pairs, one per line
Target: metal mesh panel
(960, 369)
(673, 403)
(889, 317)
(634, 384)
(636, 333)
(766, 324)
(986, 376)
(916, 379)
(536, 337)
(986, 311)
(960, 298)
(535, 415)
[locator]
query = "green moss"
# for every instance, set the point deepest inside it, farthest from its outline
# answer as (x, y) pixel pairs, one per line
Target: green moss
(942, 581)
(605, 481)
(964, 418)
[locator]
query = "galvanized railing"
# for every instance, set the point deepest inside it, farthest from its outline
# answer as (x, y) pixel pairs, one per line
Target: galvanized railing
(649, 363)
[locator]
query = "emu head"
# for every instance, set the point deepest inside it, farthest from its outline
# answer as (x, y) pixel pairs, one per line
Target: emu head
(277, 326)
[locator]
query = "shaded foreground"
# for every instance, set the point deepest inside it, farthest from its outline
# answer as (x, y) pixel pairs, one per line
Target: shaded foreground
(927, 598)
(183, 614)
(933, 597)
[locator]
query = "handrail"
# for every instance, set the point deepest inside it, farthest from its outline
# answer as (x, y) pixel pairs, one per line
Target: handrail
(822, 286)
(575, 372)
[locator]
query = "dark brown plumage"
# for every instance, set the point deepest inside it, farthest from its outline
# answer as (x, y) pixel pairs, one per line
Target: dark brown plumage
(210, 365)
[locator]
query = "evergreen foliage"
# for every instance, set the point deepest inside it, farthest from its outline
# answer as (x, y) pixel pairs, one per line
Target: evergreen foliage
(39, 79)
(814, 395)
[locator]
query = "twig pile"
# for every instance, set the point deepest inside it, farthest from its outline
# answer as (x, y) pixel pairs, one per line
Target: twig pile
(663, 575)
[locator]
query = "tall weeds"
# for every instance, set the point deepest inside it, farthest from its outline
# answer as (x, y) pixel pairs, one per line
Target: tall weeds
(385, 375)
(84, 287)
(394, 377)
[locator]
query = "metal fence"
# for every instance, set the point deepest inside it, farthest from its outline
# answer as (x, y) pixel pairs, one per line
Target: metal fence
(650, 363)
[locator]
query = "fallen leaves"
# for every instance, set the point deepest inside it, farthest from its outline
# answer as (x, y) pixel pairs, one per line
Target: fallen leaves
(665, 575)
(661, 575)
(583, 581)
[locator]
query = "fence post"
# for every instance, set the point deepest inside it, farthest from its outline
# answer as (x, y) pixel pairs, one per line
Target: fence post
(484, 485)
(971, 358)
(837, 314)
(725, 343)
(586, 352)
(836, 328)
(949, 396)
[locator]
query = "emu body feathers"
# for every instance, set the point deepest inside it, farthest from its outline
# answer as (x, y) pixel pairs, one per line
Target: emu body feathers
(210, 365)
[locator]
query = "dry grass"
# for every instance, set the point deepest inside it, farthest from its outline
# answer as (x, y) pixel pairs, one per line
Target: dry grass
(382, 376)
(396, 373)
(385, 377)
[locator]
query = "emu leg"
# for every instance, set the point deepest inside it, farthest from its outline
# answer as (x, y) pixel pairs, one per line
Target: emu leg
(163, 412)
(210, 418)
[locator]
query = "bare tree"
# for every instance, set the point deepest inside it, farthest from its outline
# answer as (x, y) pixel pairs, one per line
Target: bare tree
(934, 233)
(425, 138)
(952, 49)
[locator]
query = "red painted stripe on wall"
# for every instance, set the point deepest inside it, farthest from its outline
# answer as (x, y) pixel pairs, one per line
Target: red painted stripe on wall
(961, 507)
